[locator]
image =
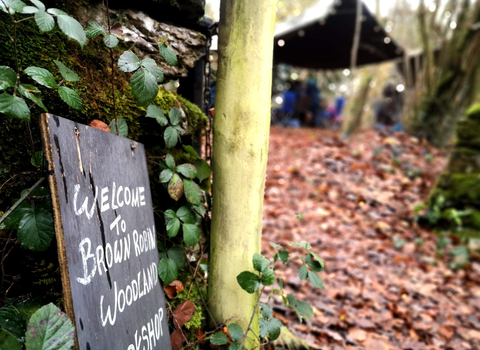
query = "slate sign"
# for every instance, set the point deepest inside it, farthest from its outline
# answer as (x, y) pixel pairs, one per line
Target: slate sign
(106, 237)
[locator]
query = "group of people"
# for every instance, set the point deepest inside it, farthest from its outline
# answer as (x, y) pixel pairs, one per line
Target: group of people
(303, 105)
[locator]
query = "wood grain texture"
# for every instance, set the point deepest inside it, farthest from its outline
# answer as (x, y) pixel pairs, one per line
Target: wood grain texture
(106, 237)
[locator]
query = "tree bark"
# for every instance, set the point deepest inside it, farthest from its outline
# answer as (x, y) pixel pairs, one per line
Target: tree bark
(240, 149)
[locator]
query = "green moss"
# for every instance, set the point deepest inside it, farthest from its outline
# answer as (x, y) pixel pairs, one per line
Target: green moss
(474, 111)
(198, 319)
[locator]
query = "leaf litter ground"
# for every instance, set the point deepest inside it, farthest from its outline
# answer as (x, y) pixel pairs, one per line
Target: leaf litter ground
(386, 287)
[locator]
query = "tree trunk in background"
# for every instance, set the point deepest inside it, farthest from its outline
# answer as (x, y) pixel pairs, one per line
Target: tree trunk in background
(356, 107)
(240, 150)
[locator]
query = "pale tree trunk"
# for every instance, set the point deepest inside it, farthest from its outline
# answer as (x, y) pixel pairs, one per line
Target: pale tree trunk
(240, 149)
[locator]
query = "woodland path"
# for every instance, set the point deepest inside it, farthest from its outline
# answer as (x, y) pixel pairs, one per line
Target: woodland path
(385, 286)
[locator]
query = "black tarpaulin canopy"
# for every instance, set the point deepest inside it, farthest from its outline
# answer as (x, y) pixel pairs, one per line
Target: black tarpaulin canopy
(322, 37)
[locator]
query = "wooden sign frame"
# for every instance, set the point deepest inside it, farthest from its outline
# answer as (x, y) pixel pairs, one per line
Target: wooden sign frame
(89, 164)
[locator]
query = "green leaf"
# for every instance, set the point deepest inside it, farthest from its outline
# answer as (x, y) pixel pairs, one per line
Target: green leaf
(315, 279)
(177, 254)
(45, 22)
(266, 311)
(14, 107)
(122, 127)
(248, 281)
(94, 29)
(39, 4)
(8, 341)
(200, 209)
(263, 328)
(152, 67)
(33, 94)
(155, 112)
(193, 193)
(144, 86)
(276, 246)
(175, 187)
(187, 170)
(322, 264)
(168, 54)
(110, 41)
(12, 5)
(12, 320)
(283, 254)
(173, 227)
(128, 62)
(67, 73)
(29, 10)
(191, 151)
(167, 270)
(292, 301)
(37, 160)
(166, 175)
(70, 97)
(70, 26)
(303, 272)
(35, 230)
(234, 346)
(274, 327)
(170, 161)
(203, 169)
(235, 331)
(41, 76)
(191, 234)
(260, 263)
(304, 309)
(171, 137)
(175, 115)
(305, 245)
(13, 220)
(186, 215)
(218, 339)
(169, 215)
(8, 77)
(312, 264)
(49, 328)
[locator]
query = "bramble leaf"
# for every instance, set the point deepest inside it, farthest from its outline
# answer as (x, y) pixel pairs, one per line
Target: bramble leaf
(186, 215)
(155, 112)
(44, 21)
(203, 169)
(170, 161)
(175, 187)
(248, 281)
(152, 67)
(144, 86)
(67, 73)
(304, 309)
(268, 277)
(94, 29)
(33, 94)
(191, 234)
(69, 26)
(274, 327)
(35, 229)
(8, 77)
(110, 41)
(166, 175)
(122, 127)
(193, 193)
(175, 115)
(70, 97)
(260, 263)
(315, 279)
(171, 137)
(168, 54)
(167, 270)
(187, 170)
(266, 311)
(173, 227)
(235, 331)
(128, 62)
(14, 107)
(41, 76)
(303, 272)
(218, 339)
(305, 245)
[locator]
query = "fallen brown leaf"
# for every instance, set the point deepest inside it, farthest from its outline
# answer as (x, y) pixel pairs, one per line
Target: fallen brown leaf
(97, 124)
(183, 313)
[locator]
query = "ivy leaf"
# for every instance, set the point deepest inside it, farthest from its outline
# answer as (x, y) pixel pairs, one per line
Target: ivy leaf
(175, 187)
(260, 263)
(175, 115)
(170, 161)
(14, 107)
(191, 151)
(67, 73)
(171, 137)
(110, 41)
(186, 215)
(303, 272)
(315, 279)
(305, 245)
(187, 170)
(9, 342)
(166, 175)
(283, 254)
(193, 193)
(33, 94)
(167, 270)
(173, 227)
(168, 54)
(49, 328)
(35, 229)
(144, 86)
(8, 77)
(249, 281)
(203, 169)
(263, 328)
(128, 62)
(235, 331)
(218, 339)
(45, 22)
(41, 76)
(70, 97)
(93, 30)
(191, 234)
(177, 254)
(150, 65)
(69, 26)
(268, 277)
(122, 127)
(155, 112)
(266, 311)
(274, 327)
(304, 309)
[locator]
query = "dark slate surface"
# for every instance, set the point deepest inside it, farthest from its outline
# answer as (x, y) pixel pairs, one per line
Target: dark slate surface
(90, 161)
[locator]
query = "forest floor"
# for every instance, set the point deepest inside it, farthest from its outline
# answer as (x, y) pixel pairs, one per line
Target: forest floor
(385, 285)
